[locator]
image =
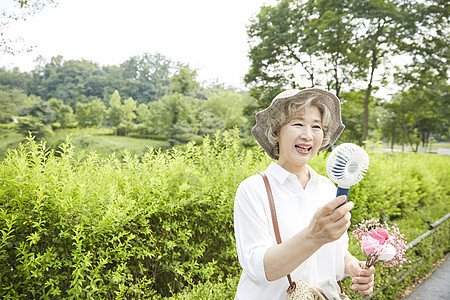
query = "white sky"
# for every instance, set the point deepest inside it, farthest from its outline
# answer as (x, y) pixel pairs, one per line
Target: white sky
(209, 35)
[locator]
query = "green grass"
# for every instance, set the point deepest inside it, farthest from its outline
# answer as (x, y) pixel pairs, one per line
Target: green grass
(9, 138)
(85, 140)
(105, 143)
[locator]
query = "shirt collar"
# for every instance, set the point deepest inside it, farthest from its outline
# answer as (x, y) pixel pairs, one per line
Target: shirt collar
(281, 174)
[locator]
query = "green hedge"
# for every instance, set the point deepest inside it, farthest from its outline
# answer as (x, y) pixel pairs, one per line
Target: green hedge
(89, 227)
(74, 226)
(389, 282)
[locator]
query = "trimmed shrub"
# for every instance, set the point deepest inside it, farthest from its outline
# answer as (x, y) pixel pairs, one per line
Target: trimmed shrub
(89, 227)
(82, 226)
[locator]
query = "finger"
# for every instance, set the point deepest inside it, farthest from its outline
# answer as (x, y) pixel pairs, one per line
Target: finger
(342, 211)
(363, 288)
(346, 221)
(345, 208)
(363, 280)
(366, 292)
(331, 205)
(339, 227)
(341, 222)
(368, 272)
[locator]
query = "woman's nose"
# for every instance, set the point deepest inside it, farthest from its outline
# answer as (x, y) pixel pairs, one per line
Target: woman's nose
(306, 133)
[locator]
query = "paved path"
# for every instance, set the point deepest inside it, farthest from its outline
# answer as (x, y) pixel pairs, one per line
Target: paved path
(435, 287)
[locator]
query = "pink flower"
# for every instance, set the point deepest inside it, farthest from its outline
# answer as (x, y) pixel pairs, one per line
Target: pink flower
(380, 234)
(387, 253)
(381, 243)
(369, 245)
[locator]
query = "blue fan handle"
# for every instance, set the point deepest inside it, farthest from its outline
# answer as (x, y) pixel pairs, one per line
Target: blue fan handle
(342, 191)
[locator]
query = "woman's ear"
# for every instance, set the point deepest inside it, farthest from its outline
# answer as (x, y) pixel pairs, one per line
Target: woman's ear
(275, 136)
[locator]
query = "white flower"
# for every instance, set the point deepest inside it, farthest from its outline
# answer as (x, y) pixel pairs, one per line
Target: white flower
(387, 253)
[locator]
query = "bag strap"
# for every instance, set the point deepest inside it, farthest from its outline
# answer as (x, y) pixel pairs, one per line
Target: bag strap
(276, 229)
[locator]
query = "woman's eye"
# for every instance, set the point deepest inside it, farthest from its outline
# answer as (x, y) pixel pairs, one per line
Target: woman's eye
(298, 124)
(317, 126)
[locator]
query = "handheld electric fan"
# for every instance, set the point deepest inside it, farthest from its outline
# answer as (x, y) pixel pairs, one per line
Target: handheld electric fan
(346, 166)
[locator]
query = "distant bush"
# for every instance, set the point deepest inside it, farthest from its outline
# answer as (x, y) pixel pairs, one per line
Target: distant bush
(33, 125)
(160, 225)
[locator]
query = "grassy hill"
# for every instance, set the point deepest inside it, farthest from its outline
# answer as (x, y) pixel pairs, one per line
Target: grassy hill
(103, 141)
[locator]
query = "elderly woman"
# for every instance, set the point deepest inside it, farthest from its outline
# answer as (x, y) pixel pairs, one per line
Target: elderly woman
(312, 224)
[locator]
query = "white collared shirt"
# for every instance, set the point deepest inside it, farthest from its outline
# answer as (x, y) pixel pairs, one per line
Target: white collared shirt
(295, 208)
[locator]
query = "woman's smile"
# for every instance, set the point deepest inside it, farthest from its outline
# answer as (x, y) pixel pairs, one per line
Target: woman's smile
(303, 149)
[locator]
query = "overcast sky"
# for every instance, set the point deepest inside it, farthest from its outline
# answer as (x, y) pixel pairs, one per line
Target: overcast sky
(209, 35)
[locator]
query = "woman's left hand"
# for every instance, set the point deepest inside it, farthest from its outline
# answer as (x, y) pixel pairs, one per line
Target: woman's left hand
(362, 278)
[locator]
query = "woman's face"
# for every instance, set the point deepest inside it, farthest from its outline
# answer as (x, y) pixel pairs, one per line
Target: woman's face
(300, 138)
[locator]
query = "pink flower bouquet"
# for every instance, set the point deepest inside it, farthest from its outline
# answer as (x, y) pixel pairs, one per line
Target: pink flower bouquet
(380, 243)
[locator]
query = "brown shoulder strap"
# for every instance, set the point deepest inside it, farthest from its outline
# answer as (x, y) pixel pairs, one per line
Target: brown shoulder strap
(273, 212)
(276, 229)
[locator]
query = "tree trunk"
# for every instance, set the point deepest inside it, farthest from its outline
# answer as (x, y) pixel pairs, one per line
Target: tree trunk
(367, 99)
(311, 78)
(404, 133)
(366, 114)
(311, 75)
(393, 139)
(336, 81)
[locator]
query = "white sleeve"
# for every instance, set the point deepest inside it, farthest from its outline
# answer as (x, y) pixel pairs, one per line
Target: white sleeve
(344, 240)
(340, 252)
(252, 230)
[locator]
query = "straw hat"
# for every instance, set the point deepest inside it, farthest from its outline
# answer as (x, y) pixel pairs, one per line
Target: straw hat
(327, 98)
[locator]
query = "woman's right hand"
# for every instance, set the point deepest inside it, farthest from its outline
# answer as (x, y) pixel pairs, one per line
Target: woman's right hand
(330, 223)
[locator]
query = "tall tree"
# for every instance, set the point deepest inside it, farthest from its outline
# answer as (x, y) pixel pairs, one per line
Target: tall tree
(90, 114)
(329, 35)
(275, 53)
(11, 100)
(229, 107)
(379, 27)
(420, 112)
(297, 44)
(347, 39)
(146, 78)
(63, 113)
(142, 112)
(115, 112)
(71, 81)
(424, 99)
(41, 110)
(15, 79)
(129, 109)
(428, 45)
(184, 81)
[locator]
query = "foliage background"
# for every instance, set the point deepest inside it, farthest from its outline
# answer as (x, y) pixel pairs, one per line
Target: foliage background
(83, 226)
(128, 222)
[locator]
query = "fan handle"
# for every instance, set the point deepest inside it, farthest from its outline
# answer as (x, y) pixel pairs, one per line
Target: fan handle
(342, 191)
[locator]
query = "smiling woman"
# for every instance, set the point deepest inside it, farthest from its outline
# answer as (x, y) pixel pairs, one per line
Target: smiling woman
(286, 221)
